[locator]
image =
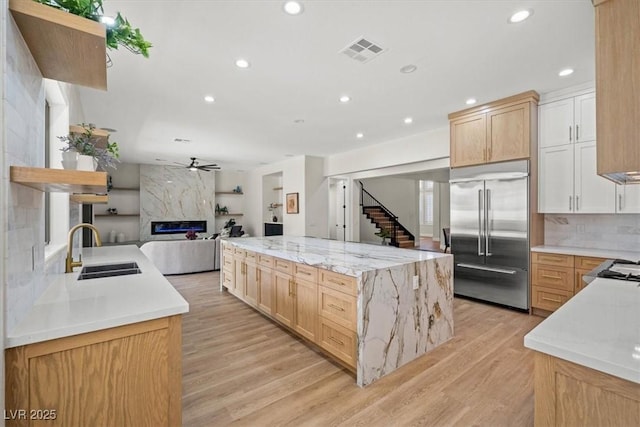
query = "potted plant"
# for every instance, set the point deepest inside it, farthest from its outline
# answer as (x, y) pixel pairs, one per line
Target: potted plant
(384, 234)
(119, 30)
(83, 144)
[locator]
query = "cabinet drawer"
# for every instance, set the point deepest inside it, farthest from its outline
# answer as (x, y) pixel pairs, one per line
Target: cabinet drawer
(265, 260)
(339, 282)
(241, 253)
(588, 263)
(338, 341)
(553, 277)
(552, 259)
(227, 279)
(337, 307)
(251, 256)
(305, 272)
(548, 299)
(282, 265)
(227, 263)
(227, 249)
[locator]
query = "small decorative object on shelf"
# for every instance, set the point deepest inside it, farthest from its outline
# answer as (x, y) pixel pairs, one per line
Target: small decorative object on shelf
(191, 235)
(112, 236)
(274, 219)
(83, 145)
(217, 208)
(109, 183)
(223, 210)
(112, 211)
(238, 189)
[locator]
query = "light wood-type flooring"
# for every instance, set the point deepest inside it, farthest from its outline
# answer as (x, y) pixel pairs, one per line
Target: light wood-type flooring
(241, 368)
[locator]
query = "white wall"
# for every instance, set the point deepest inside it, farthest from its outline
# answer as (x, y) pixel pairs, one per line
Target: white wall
(317, 198)
(400, 196)
(415, 148)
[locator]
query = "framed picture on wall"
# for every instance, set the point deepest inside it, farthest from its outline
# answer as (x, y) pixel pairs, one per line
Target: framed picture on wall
(292, 203)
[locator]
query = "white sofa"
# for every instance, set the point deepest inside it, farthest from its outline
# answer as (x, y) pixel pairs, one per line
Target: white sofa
(183, 256)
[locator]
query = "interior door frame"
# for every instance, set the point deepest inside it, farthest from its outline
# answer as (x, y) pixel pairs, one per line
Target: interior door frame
(347, 209)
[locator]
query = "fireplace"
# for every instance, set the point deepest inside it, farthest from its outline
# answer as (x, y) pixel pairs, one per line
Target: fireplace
(177, 227)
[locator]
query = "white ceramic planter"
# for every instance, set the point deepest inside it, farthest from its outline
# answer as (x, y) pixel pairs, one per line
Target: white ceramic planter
(70, 159)
(87, 163)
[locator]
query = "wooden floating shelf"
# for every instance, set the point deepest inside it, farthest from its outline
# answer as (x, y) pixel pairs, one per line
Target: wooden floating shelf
(89, 198)
(66, 47)
(276, 205)
(125, 188)
(116, 215)
(229, 214)
(60, 180)
(277, 188)
(99, 137)
(228, 192)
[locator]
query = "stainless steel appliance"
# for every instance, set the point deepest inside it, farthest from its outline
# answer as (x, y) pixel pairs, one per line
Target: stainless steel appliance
(490, 232)
(619, 269)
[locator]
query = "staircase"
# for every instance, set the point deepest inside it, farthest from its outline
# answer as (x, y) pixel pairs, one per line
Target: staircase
(384, 219)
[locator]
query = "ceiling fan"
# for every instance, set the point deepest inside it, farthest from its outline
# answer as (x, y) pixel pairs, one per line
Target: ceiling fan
(196, 166)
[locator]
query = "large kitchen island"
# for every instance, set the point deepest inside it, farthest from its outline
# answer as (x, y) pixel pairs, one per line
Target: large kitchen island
(373, 308)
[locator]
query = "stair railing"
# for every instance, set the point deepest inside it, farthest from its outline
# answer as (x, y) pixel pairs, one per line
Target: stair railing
(368, 201)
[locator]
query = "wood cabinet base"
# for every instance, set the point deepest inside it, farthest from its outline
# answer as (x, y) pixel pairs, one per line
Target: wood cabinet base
(125, 376)
(567, 394)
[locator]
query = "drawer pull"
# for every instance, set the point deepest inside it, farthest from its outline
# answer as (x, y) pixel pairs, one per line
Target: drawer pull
(337, 341)
(335, 307)
(337, 282)
(548, 276)
(304, 272)
(551, 299)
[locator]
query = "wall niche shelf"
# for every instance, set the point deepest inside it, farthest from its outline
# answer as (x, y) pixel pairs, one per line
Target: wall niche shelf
(60, 180)
(98, 199)
(229, 215)
(66, 47)
(116, 215)
(229, 192)
(277, 188)
(125, 188)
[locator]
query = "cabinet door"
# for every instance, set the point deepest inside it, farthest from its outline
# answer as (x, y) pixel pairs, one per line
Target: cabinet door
(251, 283)
(594, 194)
(239, 277)
(555, 183)
(283, 297)
(306, 304)
(556, 123)
(585, 117)
(468, 141)
(628, 198)
(508, 133)
(265, 289)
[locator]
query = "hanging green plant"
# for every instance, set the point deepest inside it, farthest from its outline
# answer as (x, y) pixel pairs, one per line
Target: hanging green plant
(119, 33)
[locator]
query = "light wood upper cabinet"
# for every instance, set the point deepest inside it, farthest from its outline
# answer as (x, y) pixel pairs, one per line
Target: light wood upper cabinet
(494, 132)
(470, 134)
(618, 85)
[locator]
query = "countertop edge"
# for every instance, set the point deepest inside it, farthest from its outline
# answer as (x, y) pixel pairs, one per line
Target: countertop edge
(589, 252)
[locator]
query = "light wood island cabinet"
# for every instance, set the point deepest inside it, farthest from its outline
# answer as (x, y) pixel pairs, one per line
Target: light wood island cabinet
(124, 376)
(495, 132)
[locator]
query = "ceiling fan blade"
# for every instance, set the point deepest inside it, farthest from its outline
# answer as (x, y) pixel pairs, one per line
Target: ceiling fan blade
(208, 166)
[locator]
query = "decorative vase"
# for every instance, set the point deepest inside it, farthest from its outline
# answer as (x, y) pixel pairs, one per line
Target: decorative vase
(86, 163)
(70, 159)
(274, 219)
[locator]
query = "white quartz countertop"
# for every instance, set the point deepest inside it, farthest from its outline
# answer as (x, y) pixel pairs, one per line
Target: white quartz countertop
(597, 253)
(598, 328)
(347, 258)
(70, 306)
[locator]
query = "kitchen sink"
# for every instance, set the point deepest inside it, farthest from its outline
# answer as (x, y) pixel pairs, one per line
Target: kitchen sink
(108, 270)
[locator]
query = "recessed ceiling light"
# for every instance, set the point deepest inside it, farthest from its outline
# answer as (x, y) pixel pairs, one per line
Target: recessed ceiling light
(108, 21)
(293, 8)
(408, 69)
(408, 120)
(210, 99)
(242, 63)
(359, 135)
(289, 155)
(565, 72)
(344, 99)
(470, 101)
(298, 121)
(520, 16)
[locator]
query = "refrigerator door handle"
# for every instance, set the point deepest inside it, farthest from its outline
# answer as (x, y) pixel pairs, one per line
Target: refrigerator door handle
(492, 269)
(480, 230)
(487, 223)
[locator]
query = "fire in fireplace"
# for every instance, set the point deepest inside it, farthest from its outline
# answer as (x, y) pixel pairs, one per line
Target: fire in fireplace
(176, 227)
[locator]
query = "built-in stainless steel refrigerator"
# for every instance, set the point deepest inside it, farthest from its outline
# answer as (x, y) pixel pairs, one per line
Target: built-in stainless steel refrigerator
(490, 232)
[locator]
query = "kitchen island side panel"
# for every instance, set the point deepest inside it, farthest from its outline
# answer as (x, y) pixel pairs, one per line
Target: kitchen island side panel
(397, 324)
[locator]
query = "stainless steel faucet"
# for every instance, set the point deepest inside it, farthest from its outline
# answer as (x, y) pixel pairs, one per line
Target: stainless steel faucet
(69, 262)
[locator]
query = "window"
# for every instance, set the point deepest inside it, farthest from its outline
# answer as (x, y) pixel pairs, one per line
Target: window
(426, 202)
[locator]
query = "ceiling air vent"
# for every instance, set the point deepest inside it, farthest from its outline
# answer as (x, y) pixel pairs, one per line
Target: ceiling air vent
(363, 50)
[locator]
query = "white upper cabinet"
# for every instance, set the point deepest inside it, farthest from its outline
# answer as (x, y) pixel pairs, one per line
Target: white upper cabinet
(556, 123)
(555, 189)
(593, 193)
(628, 198)
(585, 117)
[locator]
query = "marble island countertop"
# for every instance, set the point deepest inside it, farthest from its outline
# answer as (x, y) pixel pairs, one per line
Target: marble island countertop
(70, 306)
(598, 328)
(349, 258)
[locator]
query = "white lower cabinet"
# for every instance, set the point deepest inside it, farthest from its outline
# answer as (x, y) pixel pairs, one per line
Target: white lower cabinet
(568, 182)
